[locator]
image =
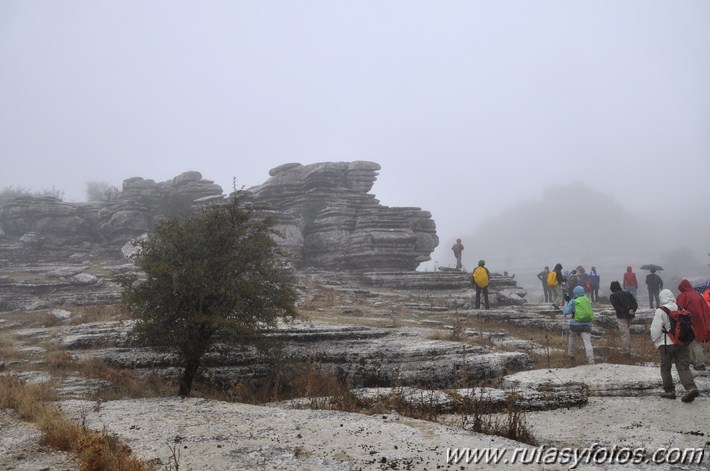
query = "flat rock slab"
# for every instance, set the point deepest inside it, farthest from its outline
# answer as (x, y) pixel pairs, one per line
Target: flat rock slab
(214, 435)
(647, 422)
(602, 379)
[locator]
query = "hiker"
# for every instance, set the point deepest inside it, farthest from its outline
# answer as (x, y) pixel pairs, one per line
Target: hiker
(555, 283)
(572, 283)
(630, 283)
(584, 281)
(671, 353)
(594, 279)
(625, 306)
(542, 276)
(703, 288)
(457, 248)
(693, 302)
(481, 277)
(655, 285)
(580, 308)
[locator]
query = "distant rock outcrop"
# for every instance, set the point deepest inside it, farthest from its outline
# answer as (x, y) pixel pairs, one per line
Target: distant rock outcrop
(50, 222)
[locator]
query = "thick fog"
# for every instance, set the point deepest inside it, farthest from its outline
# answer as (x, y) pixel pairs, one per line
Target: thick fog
(475, 110)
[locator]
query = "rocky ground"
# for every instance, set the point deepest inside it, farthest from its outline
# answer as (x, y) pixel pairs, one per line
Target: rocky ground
(425, 346)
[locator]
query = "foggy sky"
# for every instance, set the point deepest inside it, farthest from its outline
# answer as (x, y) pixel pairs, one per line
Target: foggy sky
(469, 106)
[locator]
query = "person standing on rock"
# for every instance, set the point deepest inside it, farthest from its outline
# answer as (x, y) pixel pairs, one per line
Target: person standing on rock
(555, 283)
(693, 302)
(595, 279)
(481, 277)
(542, 276)
(654, 283)
(580, 308)
(625, 306)
(630, 284)
(671, 353)
(572, 283)
(458, 248)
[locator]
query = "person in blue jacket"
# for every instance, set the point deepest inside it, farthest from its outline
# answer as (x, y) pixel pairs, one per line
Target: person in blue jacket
(580, 308)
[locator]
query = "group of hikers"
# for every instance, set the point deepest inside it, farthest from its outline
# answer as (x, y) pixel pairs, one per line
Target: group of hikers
(590, 282)
(679, 328)
(557, 284)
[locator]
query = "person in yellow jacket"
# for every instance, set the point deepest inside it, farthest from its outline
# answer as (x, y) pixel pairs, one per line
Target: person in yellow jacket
(481, 278)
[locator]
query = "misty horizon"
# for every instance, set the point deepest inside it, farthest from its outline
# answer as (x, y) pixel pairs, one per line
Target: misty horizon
(470, 108)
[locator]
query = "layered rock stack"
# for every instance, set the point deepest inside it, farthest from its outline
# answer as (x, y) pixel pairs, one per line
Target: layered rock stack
(133, 211)
(143, 202)
(324, 212)
(329, 220)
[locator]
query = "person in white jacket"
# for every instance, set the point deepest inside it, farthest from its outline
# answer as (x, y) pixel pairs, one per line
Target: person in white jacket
(671, 353)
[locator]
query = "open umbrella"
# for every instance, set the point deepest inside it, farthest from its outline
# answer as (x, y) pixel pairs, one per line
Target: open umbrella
(651, 266)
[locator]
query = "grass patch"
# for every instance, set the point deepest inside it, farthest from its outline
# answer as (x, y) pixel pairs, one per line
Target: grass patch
(96, 451)
(124, 382)
(98, 313)
(477, 415)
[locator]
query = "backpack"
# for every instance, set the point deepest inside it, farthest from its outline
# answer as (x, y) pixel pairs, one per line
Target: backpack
(681, 331)
(583, 309)
(552, 279)
(480, 277)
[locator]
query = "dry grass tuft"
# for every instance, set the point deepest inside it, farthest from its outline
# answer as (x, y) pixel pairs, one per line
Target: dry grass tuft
(96, 451)
(99, 313)
(124, 382)
(103, 452)
(477, 416)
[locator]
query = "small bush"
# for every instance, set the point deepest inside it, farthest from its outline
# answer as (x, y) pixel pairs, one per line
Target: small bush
(477, 416)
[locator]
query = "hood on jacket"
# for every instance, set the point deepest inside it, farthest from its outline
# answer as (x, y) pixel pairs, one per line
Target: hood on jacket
(615, 286)
(685, 286)
(578, 291)
(481, 263)
(558, 267)
(666, 296)
(628, 269)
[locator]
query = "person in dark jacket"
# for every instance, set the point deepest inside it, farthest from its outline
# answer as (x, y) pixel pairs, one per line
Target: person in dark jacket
(693, 302)
(625, 306)
(572, 283)
(558, 297)
(655, 285)
(595, 280)
(542, 276)
(458, 248)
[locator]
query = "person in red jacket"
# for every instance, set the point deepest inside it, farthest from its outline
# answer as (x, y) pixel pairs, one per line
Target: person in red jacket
(693, 302)
(630, 284)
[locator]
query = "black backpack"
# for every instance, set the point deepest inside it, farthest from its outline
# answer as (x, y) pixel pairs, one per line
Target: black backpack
(681, 331)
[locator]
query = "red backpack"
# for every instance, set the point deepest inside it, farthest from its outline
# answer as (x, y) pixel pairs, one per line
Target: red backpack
(681, 331)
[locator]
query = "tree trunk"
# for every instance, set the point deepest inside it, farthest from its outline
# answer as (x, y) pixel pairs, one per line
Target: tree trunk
(191, 367)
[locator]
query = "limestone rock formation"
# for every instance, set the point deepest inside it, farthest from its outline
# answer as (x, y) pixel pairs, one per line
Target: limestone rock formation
(41, 221)
(325, 216)
(341, 225)
(44, 220)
